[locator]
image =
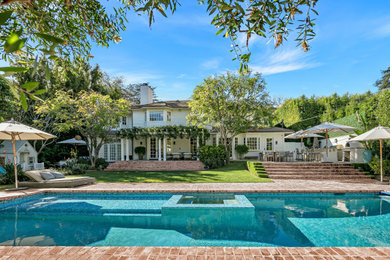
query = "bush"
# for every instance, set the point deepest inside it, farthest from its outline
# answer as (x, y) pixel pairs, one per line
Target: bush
(241, 149)
(140, 151)
(213, 156)
(9, 176)
(84, 161)
(74, 168)
(376, 166)
(101, 163)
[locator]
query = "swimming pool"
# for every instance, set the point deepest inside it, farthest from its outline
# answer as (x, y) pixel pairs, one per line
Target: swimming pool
(259, 219)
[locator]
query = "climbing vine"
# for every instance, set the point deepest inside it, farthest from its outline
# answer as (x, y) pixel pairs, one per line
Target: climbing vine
(173, 132)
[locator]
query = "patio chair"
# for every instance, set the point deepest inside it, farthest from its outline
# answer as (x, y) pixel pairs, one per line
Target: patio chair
(176, 156)
(187, 156)
(59, 182)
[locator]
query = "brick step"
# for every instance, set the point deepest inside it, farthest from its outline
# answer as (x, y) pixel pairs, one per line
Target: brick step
(315, 173)
(320, 177)
(307, 166)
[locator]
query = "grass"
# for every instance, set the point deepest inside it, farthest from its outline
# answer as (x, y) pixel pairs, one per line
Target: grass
(234, 172)
(3, 187)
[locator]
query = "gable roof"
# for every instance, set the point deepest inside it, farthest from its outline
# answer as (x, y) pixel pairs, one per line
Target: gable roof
(6, 146)
(164, 104)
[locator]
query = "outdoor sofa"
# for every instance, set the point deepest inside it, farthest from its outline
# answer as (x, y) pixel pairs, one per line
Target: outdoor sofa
(39, 182)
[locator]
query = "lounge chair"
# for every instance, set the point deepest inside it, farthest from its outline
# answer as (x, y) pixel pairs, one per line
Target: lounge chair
(39, 182)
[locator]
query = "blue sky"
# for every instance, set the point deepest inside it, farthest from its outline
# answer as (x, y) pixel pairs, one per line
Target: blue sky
(178, 52)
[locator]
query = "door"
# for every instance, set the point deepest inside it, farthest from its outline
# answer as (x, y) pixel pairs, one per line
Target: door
(153, 148)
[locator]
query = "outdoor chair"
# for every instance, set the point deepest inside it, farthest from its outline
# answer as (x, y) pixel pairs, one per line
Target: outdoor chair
(187, 156)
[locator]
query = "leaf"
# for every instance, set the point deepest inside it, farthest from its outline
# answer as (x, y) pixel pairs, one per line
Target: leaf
(39, 92)
(161, 9)
(4, 16)
(30, 86)
(50, 38)
(23, 101)
(13, 69)
(13, 43)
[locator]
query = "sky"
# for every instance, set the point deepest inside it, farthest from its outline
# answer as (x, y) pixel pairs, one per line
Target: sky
(177, 53)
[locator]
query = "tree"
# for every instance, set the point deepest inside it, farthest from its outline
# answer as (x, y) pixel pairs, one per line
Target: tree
(132, 93)
(231, 103)
(384, 82)
(92, 114)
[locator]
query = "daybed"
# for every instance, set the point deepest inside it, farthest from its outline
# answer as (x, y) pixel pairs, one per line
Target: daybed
(39, 182)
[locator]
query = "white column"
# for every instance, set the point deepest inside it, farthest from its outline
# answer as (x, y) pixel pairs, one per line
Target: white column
(159, 149)
(122, 150)
(165, 149)
(233, 150)
(127, 149)
(197, 148)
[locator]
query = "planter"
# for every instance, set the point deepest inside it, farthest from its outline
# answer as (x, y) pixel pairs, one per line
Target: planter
(367, 156)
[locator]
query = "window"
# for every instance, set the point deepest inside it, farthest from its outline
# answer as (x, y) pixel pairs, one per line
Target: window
(193, 146)
(30, 160)
(235, 142)
(252, 143)
(270, 144)
(112, 152)
(153, 148)
(156, 116)
(169, 145)
(169, 116)
(105, 152)
(124, 120)
(118, 152)
(214, 141)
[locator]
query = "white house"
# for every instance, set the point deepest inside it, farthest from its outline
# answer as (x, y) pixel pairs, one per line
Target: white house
(26, 155)
(173, 113)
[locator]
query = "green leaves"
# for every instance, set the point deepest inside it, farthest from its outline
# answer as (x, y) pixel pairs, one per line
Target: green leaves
(13, 43)
(50, 38)
(13, 69)
(23, 101)
(4, 16)
(30, 86)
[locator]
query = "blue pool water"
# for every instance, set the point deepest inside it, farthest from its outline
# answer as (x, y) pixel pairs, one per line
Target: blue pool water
(233, 220)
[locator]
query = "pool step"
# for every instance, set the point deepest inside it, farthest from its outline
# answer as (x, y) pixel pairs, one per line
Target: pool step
(314, 171)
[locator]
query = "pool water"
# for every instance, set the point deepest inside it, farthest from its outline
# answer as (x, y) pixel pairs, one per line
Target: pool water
(139, 220)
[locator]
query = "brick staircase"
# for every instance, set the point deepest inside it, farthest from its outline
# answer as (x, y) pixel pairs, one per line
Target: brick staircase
(155, 166)
(314, 171)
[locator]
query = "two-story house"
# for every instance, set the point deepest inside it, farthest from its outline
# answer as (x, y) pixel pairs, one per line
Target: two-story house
(173, 113)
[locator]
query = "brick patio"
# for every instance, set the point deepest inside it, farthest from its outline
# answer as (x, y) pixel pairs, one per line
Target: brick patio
(281, 253)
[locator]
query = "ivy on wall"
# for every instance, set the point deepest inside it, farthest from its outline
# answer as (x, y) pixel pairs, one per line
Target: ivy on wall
(173, 132)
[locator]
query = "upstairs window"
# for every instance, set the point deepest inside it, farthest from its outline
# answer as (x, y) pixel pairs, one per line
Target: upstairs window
(156, 116)
(124, 120)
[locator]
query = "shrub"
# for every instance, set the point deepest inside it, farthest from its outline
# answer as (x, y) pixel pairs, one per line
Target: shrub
(212, 156)
(9, 176)
(241, 149)
(84, 161)
(74, 168)
(376, 166)
(101, 163)
(140, 151)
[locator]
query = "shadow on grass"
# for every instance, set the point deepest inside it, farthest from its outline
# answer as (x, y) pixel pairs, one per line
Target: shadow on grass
(234, 172)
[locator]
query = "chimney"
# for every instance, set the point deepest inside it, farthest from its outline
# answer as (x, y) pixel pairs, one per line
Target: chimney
(146, 94)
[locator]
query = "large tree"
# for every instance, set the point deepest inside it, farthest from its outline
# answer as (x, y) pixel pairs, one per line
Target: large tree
(231, 103)
(92, 114)
(384, 82)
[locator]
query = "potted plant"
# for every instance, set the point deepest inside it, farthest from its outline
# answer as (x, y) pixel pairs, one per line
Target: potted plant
(140, 151)
(241, 149)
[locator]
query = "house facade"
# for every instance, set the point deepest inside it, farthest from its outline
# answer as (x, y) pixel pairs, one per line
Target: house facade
(26, 155)
(173, 113)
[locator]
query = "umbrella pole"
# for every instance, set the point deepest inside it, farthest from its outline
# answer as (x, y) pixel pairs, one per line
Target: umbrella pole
(15, 168)
(327, 153)
(380, 153)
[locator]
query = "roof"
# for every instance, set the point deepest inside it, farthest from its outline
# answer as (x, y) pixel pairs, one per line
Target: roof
(6, 146)
(266, 130)
(164, 104)
(270, 130)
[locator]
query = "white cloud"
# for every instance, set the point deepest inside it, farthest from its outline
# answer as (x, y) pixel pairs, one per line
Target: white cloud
(382, 31)
(132, 78)
(284, 61)
(211, 64)
(241, 39)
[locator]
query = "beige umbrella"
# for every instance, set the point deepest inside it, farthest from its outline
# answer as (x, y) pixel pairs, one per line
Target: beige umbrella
(378, 133)
(327, 128)
(12, 130)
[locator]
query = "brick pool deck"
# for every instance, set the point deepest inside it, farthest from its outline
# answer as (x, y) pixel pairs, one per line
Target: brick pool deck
(60, 252)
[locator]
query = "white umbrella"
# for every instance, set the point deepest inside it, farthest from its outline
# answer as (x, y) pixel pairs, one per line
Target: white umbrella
(378, 133)
(328, 127)
(12, 130)
(301, 135)
(73, 141)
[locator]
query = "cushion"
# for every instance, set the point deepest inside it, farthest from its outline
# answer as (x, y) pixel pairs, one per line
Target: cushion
(57, 175)
(47, 176)
(35, 175)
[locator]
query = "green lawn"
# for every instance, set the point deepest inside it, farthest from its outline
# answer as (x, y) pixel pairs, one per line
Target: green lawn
(235, 172)
(3, 187)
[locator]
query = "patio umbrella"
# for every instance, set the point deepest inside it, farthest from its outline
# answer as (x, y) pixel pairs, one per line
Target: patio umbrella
(12, 130)
(73, 141)
(327, 128)
(378, 133)
(300, 135)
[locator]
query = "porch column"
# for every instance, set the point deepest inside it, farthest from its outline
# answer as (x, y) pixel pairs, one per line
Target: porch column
(127, 149)
(159, 149)
(233, 150)
(197, 148)
(165, 149)
(122, 149)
